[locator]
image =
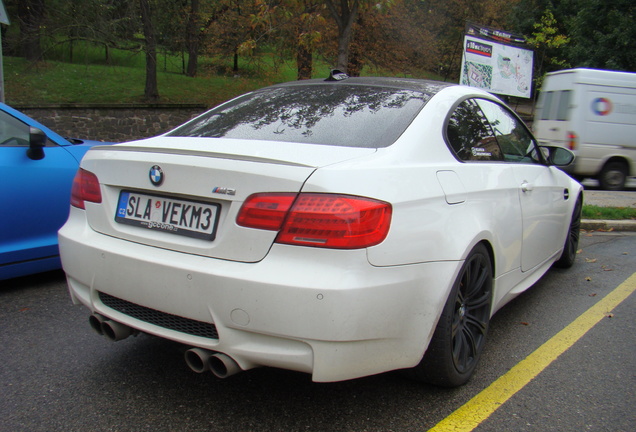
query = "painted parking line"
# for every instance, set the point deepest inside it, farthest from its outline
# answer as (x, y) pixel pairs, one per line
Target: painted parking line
(479, 408)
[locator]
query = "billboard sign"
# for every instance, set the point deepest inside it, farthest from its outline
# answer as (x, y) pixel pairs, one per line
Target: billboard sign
(496, 61)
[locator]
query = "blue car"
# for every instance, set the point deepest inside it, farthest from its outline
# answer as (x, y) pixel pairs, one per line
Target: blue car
(37, 167)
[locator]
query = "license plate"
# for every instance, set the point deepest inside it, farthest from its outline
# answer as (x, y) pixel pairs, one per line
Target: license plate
(172, 215)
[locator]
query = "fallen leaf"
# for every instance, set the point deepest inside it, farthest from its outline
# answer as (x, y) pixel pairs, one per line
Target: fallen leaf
(605, 268)
(524, 323)
(24, 309)
(588, 278)
(579, 251)
(592, 295)
(590, 260)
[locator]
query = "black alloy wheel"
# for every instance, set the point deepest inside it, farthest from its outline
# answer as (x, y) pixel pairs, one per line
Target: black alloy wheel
(460, 335)
(572, 240)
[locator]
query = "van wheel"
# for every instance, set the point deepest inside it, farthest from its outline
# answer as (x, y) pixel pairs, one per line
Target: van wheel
(460, 335)
(613, 176)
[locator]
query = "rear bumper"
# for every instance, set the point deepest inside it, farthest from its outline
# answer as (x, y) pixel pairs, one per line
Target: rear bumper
(325, 312)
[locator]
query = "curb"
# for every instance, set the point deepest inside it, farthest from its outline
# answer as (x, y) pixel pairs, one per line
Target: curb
(608, 225)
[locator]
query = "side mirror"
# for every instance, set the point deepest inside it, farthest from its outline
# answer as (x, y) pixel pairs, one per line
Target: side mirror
(37, 141)
(557, 156)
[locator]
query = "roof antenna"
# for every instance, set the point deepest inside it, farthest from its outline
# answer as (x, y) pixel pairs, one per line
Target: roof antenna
(337, 75)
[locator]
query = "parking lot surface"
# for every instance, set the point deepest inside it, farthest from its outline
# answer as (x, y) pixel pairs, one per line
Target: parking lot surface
(56, 374)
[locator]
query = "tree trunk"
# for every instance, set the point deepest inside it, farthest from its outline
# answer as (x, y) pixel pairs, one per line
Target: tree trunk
(31, 17)
(344, 16)
(151, 92)
(304, 60)
(192, 39)
(356, 62)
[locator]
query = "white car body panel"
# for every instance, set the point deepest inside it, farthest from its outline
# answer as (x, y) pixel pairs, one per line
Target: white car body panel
(342, 306)
(336, 314)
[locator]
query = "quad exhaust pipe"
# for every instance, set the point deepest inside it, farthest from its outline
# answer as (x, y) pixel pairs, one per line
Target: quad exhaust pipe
(198, 359)
(221, 365)
(111, 329)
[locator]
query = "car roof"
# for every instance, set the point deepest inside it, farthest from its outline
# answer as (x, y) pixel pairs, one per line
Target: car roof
(413, 84)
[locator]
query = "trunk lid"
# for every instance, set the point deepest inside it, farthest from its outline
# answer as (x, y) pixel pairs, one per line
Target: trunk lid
(204, 183)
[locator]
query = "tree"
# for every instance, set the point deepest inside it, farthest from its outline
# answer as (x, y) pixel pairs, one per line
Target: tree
(400, 37)
(308, 33)
(548, 43)
(232, 29)
(344, 13)
(296, 30)
(151, 92)
(192, 38)
(31, 14)
(603, 35)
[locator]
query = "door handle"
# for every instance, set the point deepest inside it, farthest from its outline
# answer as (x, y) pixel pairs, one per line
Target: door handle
(527, 187)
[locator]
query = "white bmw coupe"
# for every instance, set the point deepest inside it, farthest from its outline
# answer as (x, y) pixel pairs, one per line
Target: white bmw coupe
(341, 227)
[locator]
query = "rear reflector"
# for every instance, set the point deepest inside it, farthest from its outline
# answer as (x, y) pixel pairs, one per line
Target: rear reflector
(85, 188)
(319, 220)
(572, 139)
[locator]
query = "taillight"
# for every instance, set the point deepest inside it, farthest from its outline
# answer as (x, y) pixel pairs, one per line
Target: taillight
(265, 211)
(572, 140)
(319, 220)
(85, 188)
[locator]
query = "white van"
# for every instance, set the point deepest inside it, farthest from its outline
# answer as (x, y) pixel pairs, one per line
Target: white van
(593, 113)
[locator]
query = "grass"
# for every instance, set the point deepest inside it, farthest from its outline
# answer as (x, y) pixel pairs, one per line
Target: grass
(58, 82)
(609, 213)
(118, 76)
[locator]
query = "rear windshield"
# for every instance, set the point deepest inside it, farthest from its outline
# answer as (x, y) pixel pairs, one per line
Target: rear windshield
(339, 115)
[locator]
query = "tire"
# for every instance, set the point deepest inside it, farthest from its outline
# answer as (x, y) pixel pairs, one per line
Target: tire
(460, 335)
(613, 176)
(572, 240)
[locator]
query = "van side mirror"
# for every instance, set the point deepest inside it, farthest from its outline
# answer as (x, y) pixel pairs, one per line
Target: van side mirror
(557, 156)
(37, 141)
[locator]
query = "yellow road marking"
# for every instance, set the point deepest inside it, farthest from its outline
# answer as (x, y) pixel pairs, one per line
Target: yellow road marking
(479, 408)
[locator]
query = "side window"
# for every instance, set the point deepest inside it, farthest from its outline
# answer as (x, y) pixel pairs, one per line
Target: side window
(470, 135)
(13, 133)
(547, 105)
(515, 141)
(564, 105)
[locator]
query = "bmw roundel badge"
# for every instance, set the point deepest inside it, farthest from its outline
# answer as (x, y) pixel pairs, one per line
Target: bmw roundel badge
(156, 175)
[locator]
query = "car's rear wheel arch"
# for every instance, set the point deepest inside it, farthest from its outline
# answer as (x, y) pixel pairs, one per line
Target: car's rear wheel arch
(460, 334)
(491, 253)
(487, 243)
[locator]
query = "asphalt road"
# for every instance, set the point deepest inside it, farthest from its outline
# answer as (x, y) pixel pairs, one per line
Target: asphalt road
(56, 374)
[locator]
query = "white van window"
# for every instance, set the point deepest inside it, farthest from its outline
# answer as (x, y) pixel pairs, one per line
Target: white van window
(564, 105)
(547, 104)
(556, 105)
